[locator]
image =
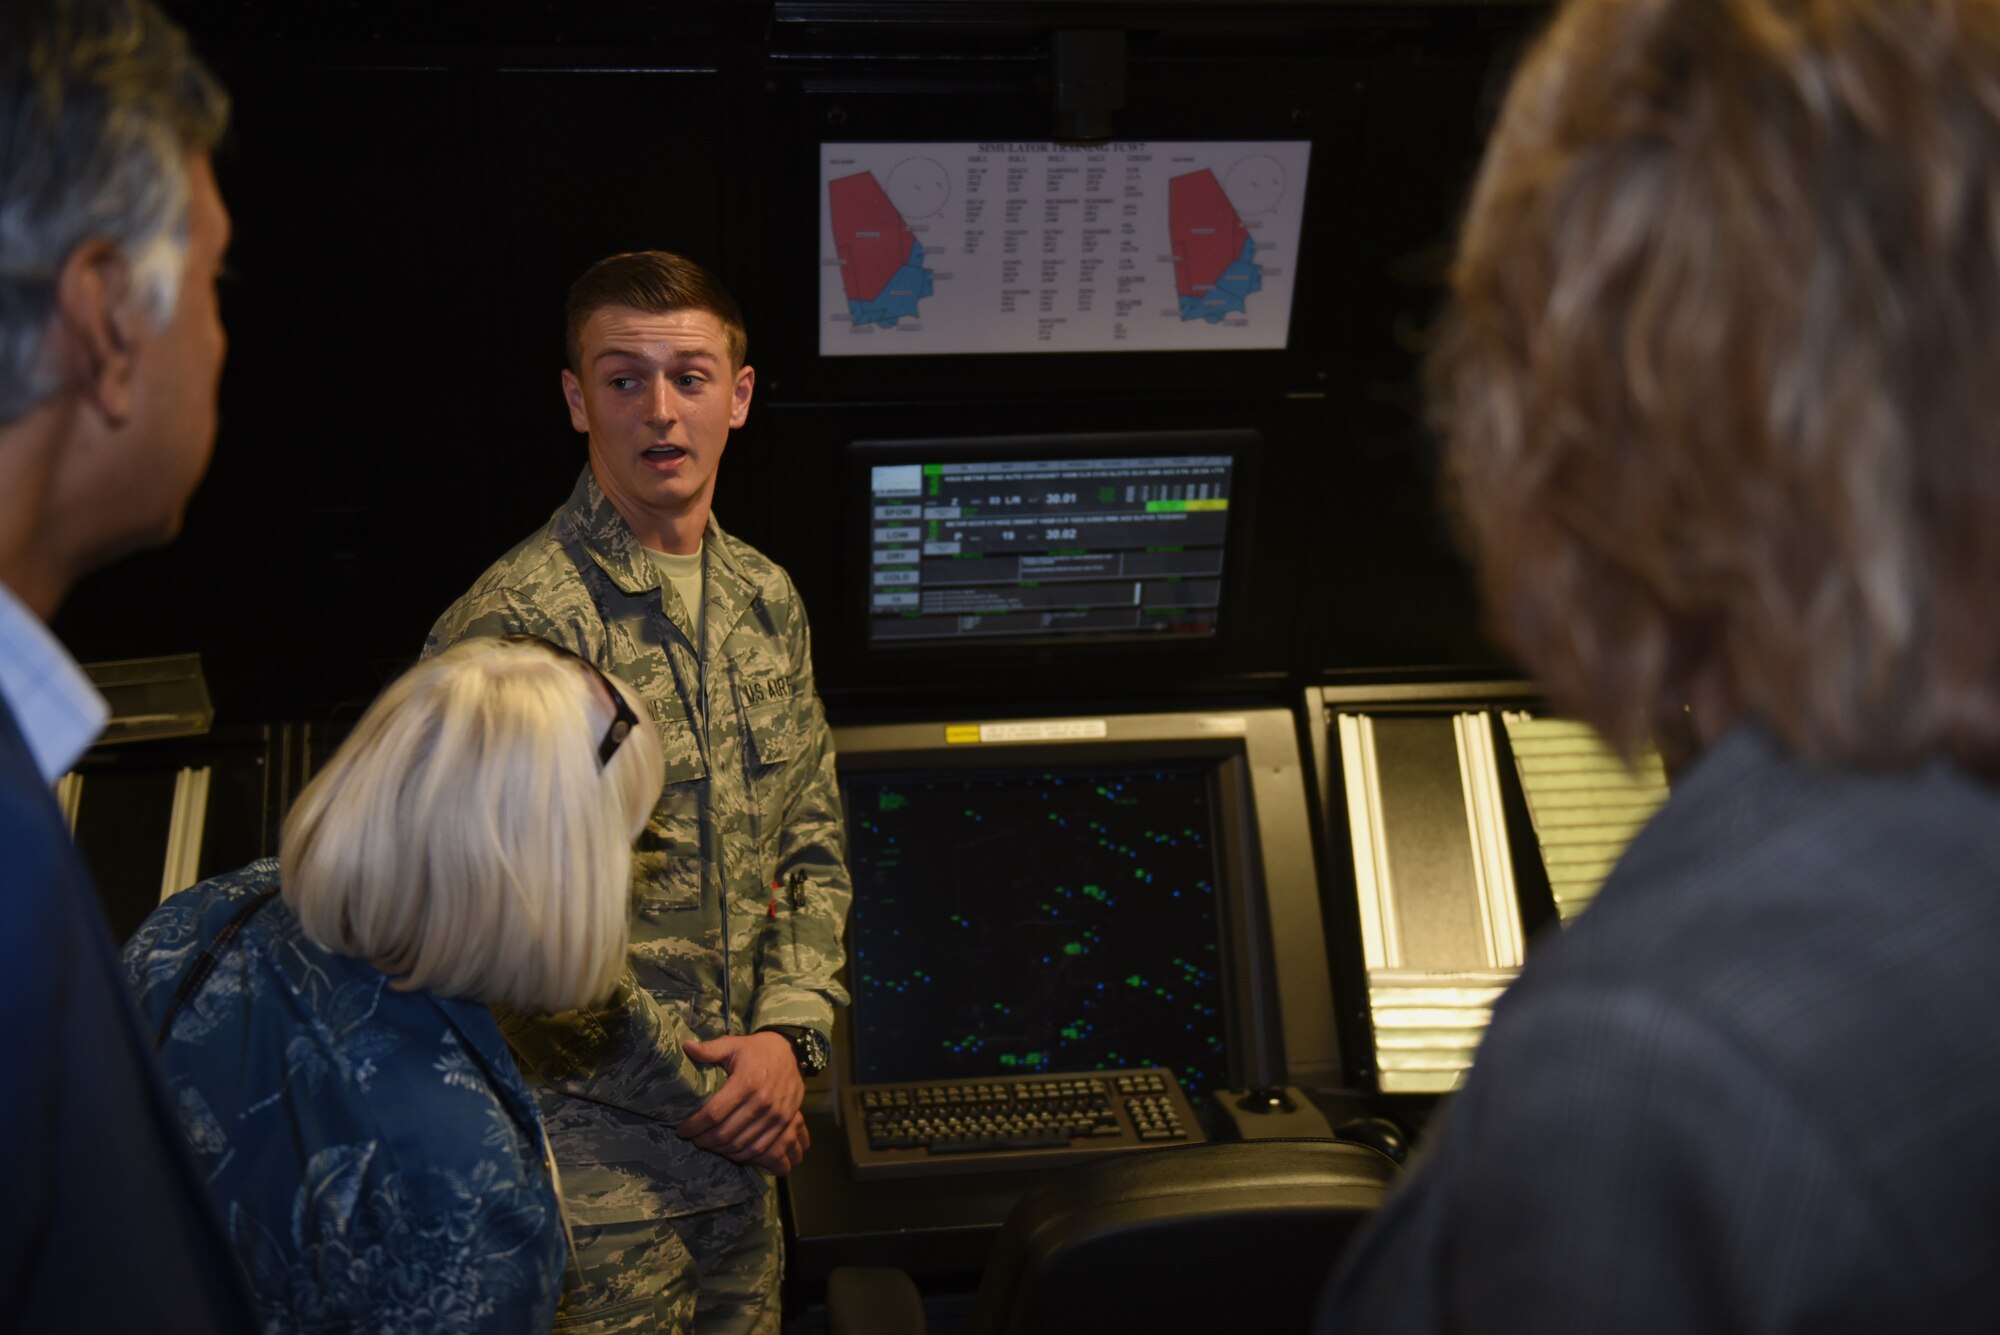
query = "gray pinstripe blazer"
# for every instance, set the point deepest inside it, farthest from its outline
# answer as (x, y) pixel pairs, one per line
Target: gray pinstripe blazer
(1755, 1088)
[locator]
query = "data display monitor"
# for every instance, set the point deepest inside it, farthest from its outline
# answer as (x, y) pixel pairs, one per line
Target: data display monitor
(1053, 896)
(1062, 540)
(1045, 918)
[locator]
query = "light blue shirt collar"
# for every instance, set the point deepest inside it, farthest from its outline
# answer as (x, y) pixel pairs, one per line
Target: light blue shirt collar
(57, 709)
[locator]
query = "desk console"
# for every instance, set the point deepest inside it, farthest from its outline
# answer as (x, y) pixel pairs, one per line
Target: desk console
(946, 1127)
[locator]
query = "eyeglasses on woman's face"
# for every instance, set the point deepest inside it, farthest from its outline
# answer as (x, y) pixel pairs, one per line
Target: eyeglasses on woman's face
(623, 720)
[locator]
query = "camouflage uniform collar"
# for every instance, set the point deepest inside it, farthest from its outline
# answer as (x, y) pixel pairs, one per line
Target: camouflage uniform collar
(591, 518)
(729, 591)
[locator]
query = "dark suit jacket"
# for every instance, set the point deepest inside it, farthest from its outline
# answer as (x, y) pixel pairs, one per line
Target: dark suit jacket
(1755, 1088)
(103, 1223)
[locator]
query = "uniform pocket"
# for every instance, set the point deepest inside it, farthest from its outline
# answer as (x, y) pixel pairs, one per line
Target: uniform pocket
(774, 733)
(666, 872)
(678, 748)
(666, 860)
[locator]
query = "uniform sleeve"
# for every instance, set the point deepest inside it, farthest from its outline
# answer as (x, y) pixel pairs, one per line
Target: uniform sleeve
(626, 1053)
(1617, 1164)
(801, 952)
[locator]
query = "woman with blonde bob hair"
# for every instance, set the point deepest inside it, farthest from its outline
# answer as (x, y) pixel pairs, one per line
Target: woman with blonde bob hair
(1720, 395)
(323, 1020)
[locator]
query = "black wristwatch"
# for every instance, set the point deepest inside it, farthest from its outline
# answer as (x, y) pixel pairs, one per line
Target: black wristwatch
(810, 1046)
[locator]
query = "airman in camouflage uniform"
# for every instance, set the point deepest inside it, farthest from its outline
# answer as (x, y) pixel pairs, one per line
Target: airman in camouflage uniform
(740, 892)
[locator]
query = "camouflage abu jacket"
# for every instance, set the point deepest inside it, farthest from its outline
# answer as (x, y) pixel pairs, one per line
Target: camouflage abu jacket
(750, 799)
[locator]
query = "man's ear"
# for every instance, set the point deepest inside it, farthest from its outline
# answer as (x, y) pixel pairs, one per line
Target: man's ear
(97, 330)
(573, 396)
(739, 402)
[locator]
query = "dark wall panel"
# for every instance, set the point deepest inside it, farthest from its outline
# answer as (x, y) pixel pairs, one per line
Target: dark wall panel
(415, 186)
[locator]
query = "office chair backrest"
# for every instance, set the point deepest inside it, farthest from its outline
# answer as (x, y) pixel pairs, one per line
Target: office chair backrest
(1227, 1236)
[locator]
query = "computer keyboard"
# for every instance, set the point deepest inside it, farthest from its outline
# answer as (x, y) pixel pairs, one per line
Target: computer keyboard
(1009, 1123)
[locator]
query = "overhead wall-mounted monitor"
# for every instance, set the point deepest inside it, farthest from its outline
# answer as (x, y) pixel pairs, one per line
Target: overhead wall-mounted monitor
(1060, 539)
(1012, 247)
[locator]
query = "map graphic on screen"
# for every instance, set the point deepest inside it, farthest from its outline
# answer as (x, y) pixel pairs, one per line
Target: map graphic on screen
(1213, 265)
(881, 262)
(1142, 246)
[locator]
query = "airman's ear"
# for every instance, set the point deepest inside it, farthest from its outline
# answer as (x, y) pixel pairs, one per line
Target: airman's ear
(739, 397)
(97, 329)
(573, 396)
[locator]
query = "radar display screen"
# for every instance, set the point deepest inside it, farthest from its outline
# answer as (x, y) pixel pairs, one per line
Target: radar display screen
(1046, 549)
(1044, 920)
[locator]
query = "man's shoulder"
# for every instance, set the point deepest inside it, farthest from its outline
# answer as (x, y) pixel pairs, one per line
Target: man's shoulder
(536, 562)
(47, 892)
(528, 590)
(1760, 861)
(1782, 924)
(40, 856)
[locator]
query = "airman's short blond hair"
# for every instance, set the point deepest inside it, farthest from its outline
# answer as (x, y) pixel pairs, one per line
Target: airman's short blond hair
(464, 839)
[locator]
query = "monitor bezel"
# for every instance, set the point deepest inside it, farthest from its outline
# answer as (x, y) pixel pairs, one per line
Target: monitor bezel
(1221, 776)
(1277, 1006)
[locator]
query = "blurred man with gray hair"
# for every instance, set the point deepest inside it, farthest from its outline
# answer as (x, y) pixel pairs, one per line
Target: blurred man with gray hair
(111, 237)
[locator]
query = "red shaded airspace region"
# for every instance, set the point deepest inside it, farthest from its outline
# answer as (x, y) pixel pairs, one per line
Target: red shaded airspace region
(869, 235)
(1208, 237)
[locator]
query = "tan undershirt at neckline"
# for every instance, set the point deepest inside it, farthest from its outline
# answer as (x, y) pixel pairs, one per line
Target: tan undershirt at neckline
(683, 575)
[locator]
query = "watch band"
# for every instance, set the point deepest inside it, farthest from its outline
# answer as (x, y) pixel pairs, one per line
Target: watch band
(809, 1046)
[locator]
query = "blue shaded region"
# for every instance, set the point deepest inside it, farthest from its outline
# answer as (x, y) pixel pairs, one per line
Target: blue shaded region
(899, 296)
(1238, 281)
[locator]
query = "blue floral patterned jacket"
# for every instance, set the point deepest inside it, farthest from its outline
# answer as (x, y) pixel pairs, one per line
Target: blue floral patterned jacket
(374, 1153)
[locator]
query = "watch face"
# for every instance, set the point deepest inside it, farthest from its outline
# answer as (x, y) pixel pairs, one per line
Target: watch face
(809, 1046)
(813, 1052)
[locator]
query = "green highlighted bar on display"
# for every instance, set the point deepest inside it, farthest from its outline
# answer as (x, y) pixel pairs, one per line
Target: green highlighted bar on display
(1185, 507)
